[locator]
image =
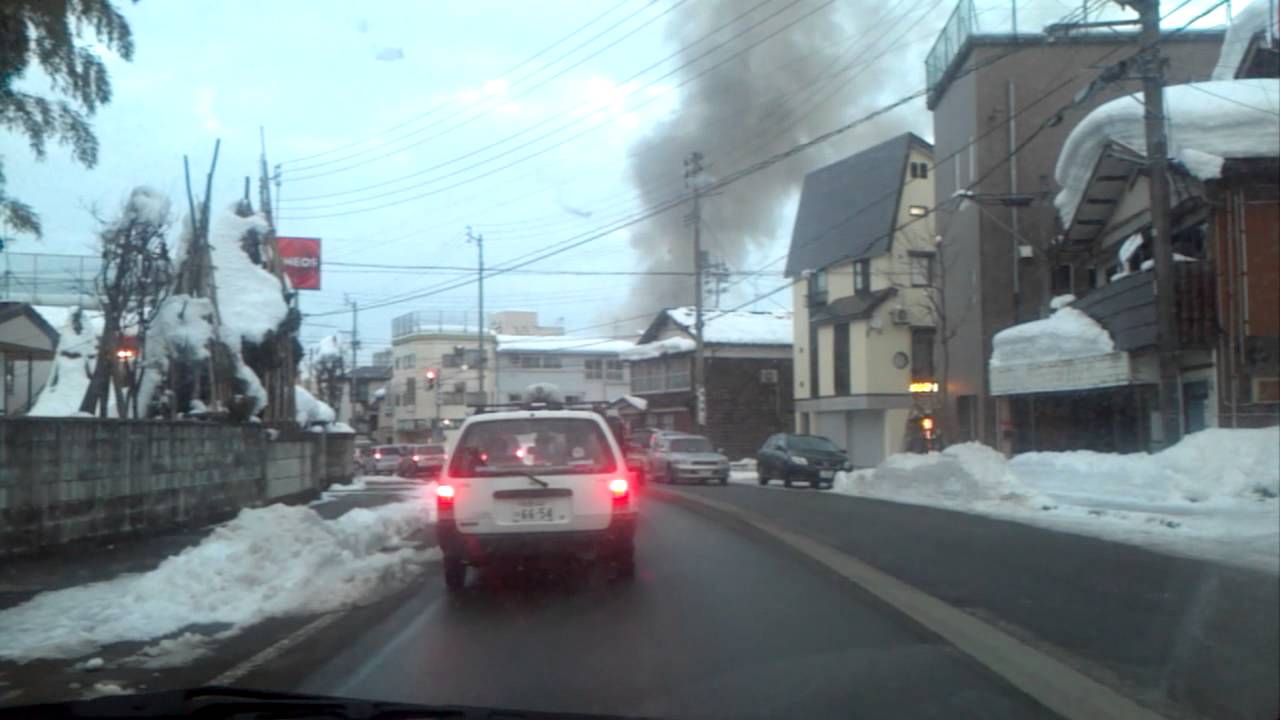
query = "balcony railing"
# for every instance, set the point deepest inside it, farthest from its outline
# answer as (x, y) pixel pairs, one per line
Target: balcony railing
(961, 24)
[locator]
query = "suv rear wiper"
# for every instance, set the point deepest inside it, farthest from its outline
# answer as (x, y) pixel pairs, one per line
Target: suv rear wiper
(224, 702)
(534, 478)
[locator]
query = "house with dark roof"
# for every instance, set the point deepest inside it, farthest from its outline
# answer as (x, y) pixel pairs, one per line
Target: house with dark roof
(27, 344)
(748, 376)
(863, 261)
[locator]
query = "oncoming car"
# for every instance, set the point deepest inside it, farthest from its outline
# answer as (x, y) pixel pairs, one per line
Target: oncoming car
(533, 483)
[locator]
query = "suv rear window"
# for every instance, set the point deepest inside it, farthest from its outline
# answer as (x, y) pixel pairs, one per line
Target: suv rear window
(547, 445)
(387, 450)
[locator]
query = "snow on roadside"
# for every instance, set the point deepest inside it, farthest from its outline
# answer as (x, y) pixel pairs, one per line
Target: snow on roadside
(1213, 495)
(266, 562)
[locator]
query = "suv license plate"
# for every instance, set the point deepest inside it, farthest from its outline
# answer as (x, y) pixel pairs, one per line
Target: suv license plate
(827, 474)
(535, 512)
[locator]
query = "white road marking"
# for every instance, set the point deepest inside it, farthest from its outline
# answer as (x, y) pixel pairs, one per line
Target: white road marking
(276, 650)
(1056, 685)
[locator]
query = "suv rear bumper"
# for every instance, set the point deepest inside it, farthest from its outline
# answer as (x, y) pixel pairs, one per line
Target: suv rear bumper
(586, 544)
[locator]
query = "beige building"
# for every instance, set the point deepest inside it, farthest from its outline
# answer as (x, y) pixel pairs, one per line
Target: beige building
(866, 267)
(420, 345)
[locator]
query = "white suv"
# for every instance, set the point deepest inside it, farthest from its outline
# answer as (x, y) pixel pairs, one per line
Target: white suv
(535, 482)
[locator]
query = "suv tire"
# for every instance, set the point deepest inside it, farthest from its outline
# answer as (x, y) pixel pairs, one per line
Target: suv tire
(762, 474)
(455, 573)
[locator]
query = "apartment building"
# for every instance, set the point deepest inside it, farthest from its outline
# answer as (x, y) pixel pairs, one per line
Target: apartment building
(422, 344)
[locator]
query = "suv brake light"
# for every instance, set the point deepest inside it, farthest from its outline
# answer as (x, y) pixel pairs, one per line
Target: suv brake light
(445, 493)
(620, 488)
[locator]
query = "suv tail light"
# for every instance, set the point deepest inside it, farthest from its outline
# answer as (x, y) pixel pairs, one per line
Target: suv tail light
(377, 456)
(444, 494)
(620, 489)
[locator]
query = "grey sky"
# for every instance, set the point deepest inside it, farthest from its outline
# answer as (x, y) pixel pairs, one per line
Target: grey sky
(323, 75)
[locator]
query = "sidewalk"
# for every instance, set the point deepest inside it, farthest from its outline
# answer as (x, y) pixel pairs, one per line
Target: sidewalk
(1187, 637)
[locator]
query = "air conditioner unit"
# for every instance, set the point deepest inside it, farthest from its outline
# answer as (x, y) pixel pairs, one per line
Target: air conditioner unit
(769, 376)
(900, 316)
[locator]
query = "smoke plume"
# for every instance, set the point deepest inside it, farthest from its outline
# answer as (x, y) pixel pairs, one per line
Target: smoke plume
(809, 78)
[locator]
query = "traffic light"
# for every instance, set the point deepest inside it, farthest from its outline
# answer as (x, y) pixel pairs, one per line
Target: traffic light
(432, 376)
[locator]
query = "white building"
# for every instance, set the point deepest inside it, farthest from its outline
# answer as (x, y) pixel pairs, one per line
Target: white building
(420, 345)
(585, 369)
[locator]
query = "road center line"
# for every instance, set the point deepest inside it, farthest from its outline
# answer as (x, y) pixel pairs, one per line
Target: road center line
(1051, 682)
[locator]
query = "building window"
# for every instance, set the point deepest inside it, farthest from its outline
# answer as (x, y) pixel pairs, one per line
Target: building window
(646, 377)
(552, 361)
(613, 370)
(921, 269)
(917, 211)
(922, 353)
(529, 361)
(840, 358)
(594, 368)
(818, 288)
(452, 360)
(514, 397)
(919, 170)
(677, 374)
(410, 392)
(1093, 276)
(1062, 279)
(571, 399)
(862, 276)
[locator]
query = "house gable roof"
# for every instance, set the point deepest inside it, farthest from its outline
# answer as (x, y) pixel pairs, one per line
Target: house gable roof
(845, 211)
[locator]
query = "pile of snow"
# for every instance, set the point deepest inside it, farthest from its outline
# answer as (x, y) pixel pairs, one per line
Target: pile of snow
(1213, 495)
(1067, 333)
(658, 348)
(562, 344)
(638, 403)
(267, 562)
(72, 368)
(250, 298)
(311, 410)
(1208, 122)
(738, 327)
(1246, 23)
(146, 205)
(1060, 301)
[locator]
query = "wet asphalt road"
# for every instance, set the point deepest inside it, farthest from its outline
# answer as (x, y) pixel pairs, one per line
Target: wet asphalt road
(718, 624)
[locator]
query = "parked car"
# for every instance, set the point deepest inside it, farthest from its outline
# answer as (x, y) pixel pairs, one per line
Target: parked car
(362, 459)
(675, 458)
(386, 459)
(790, 458)
(636, 448)
(422, 461)
(533, 483)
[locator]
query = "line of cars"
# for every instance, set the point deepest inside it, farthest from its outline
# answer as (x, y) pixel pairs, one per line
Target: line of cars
(666, 456)
(408, 461)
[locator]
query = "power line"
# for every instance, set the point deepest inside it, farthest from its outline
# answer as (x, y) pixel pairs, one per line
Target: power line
(441, 105)
(549, 134)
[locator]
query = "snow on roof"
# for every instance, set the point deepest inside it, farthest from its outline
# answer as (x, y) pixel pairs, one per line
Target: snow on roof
(1247, 22)
(329, 346)
(562, 344)
(1208, 122)
(658, 348)
(250, 298)
(738, 327)
(1067, 333)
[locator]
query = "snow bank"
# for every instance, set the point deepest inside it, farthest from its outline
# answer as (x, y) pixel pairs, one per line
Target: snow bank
(146, 205)
(1247, 22)
(310, 409)
(1067, 333)
(1213, 495)
(250, 299)
(738, 327)
(72, 368)
(267, 562)
(658, 348)
(1208, 121)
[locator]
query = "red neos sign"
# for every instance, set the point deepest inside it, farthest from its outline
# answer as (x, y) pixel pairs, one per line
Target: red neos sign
(301, 258)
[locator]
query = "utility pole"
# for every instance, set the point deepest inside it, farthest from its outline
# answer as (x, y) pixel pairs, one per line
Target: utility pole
(355, 333)
(1158, 183)
(479, 241)
(692, 169)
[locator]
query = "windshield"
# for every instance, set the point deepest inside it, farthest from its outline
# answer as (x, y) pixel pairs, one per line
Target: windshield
(691, 445)
(810, 443)
(387, 450)
(545, 445)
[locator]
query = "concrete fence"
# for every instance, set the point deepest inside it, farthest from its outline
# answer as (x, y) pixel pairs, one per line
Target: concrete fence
(66, 479)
